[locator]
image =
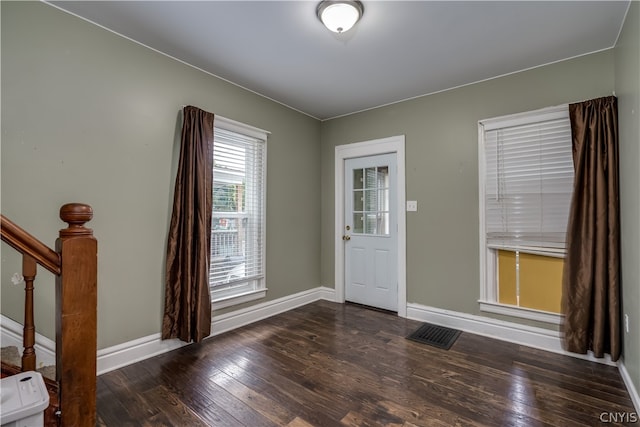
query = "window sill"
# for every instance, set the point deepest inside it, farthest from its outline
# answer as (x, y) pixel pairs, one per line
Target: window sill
(521, 312)
(228, 301)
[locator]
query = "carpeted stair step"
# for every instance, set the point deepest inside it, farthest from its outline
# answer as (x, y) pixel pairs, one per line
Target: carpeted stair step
(11, 356)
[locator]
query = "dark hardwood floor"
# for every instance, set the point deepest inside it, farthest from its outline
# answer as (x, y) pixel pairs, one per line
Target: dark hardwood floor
(328, 364)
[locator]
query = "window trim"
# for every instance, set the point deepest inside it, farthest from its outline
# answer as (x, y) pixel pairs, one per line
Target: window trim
(259, 290)
(488, 301)
(521, 312)
(241, 297)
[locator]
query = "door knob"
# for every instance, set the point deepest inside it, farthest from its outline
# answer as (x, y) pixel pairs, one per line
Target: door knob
(346, 237)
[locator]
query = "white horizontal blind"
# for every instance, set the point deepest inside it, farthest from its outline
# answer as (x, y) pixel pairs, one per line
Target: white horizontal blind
(237, 232)
(528, 183)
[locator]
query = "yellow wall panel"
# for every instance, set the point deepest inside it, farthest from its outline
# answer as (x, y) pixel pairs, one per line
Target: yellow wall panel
(541, 282)
(507, 277)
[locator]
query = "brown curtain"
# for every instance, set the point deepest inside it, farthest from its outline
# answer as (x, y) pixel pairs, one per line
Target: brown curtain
(187, 308)
(591, 282)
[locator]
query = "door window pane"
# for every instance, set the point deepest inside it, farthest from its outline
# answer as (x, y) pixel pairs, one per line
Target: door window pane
(370, 209)
(371, 224)
(371, 200)
(383, 200)
(358, 179)
(383, 176)
(383, 223)
(358, 201)
(371, 178)
(358, 223)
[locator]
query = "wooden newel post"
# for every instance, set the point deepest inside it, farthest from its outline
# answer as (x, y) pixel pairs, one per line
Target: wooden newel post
(76, 317)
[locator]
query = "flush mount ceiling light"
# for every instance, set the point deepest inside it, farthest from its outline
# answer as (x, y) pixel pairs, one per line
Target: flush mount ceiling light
(339, 16)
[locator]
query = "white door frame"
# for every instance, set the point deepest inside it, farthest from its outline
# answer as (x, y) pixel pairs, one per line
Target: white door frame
(393, 144)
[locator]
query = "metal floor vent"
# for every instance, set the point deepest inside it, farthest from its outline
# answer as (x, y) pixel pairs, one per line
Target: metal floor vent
(437, 336)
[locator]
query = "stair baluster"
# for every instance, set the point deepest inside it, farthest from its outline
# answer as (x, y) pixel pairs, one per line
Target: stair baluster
(29, 329)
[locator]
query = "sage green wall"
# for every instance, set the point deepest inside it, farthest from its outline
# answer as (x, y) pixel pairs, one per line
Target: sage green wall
(627, 83)
(90, 116)
(441, 133)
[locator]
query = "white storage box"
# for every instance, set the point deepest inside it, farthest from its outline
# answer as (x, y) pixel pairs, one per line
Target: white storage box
(24, 398)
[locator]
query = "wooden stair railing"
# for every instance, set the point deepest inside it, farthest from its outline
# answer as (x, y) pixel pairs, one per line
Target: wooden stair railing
(74, 263)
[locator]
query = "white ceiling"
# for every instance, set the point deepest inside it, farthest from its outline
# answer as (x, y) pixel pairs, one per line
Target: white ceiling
(399, 50)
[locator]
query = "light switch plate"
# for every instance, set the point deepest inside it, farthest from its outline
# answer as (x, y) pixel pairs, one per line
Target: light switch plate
(412, 205)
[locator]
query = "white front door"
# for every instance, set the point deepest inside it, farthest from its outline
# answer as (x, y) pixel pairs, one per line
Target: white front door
(371, 231)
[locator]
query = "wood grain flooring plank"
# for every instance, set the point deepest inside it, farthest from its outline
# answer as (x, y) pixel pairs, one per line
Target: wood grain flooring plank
(500, 388)
(283, 392)
(368, 387)
(587, 385)
(520, 417)
(173, 409)
(110, 409)
(598, 373)
(299, 422)
(371, 385)
(257, 401)
(328, 364)
(130, 396)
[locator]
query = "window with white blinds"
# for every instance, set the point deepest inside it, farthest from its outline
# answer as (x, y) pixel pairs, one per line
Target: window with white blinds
(528, 180)
(237, 264)
(526, 184)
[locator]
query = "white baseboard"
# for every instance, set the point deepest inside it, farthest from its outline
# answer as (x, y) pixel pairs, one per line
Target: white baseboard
(108, 359)
(129, 352)
(11, 335)
(235, 319)
(124, 354)
(143, 348)
(631, 387)
(530, 336)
